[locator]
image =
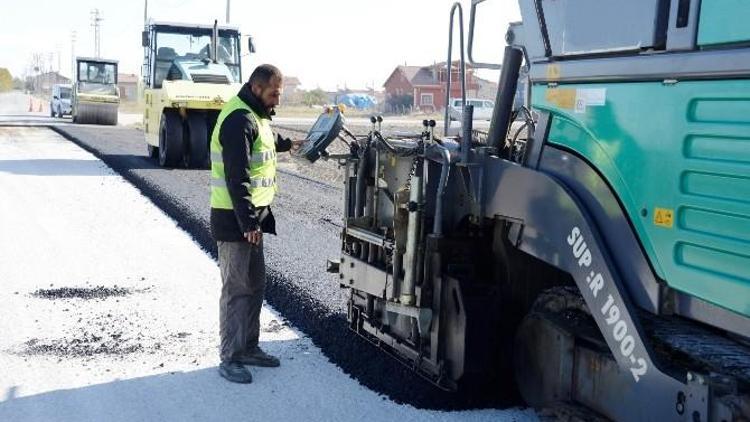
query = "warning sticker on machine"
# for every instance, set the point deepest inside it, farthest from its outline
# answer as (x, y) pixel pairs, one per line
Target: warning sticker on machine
(664, 217)
(580, 105)
(577, 100)
(561, 97)
(592, 97)
(553, 72)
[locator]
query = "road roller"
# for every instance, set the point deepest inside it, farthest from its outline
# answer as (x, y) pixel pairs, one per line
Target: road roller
(189, 72)
(96, 96)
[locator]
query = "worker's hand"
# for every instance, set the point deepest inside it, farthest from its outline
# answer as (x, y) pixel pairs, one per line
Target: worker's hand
(296, 145)
(254, 237)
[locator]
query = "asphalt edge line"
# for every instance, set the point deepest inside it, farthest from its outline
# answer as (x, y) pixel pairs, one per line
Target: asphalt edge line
(298, 307)
(309, 179)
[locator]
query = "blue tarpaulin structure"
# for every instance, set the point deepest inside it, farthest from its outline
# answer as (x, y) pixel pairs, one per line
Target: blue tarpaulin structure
(357, 101)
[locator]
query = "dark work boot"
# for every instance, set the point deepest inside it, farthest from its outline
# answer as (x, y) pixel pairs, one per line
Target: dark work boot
(235, 372)
(257, 357)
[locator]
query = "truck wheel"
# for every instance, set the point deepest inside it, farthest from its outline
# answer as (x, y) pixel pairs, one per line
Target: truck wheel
(153, 152)
(170, 139)
(196, 154)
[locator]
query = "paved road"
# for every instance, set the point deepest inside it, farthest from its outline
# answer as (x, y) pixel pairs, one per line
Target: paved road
(309, 221)
(308, 218)
(108, 311)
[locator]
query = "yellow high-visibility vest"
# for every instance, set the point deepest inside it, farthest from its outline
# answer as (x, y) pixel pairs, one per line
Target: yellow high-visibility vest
(261, 164)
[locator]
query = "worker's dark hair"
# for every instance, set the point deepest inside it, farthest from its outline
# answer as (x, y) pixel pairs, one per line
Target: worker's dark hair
(262, 75)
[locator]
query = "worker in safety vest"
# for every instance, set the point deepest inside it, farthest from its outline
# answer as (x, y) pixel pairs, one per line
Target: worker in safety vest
(243, 184)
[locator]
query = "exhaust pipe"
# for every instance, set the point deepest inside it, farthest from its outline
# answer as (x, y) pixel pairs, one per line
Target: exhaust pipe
(506, 91)
(215, 42)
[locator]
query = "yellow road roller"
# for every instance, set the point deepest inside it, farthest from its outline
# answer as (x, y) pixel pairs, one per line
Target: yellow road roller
(96, 97)
(189, 72)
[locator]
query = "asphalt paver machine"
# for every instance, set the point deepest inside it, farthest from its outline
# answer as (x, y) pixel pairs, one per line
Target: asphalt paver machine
(599, 254)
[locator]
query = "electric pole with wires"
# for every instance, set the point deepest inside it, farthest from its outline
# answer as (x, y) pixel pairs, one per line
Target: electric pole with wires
(95, 19)
(72, 55)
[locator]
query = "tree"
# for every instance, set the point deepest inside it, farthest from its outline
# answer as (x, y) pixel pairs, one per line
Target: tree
(6, 80)
(29, 84)
(399, 102)
(315, 97)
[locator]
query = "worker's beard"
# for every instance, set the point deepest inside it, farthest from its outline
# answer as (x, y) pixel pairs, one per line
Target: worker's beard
(270, 108)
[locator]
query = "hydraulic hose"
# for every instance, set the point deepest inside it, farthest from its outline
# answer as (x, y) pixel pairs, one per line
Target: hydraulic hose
(437, 227)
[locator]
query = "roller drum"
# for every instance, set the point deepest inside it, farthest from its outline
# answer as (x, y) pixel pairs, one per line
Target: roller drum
(96, 113)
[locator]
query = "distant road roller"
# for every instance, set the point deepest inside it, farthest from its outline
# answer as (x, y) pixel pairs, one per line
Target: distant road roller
(189, 72)
(96, 97)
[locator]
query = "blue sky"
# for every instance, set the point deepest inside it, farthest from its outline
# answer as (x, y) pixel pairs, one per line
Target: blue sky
(326, 43)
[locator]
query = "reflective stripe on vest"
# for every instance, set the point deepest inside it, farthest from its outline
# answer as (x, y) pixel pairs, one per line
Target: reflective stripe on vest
(254, 183)
(261, 165)
(255, 158)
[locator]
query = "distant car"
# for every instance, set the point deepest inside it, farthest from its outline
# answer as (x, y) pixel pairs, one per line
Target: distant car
(482, 108)
(59, 105)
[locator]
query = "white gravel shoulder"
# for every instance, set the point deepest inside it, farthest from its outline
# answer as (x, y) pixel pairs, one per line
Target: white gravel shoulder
(144, 347)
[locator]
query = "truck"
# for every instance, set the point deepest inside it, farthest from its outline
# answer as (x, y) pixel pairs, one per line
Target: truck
(189, 72)
(602, 261)
(96, 97)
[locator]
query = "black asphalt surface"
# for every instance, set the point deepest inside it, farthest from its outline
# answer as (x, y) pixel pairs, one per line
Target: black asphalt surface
(308, 221)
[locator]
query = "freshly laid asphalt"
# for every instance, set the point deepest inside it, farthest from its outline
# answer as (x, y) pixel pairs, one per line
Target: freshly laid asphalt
(308, 219)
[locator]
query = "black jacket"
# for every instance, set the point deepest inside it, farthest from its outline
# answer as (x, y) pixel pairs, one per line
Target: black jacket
(236, 135)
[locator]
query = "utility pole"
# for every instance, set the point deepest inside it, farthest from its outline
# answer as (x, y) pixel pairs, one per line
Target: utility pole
(37, 65)
(95, 19)
(50, 65)
(72, 56)
(228, 1)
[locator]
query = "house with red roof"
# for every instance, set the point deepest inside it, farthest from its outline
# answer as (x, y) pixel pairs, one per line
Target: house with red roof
(423, 87)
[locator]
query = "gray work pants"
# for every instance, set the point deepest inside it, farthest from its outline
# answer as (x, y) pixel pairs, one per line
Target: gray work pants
(243, 278)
